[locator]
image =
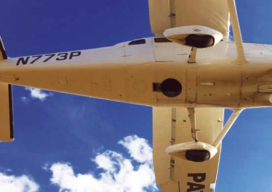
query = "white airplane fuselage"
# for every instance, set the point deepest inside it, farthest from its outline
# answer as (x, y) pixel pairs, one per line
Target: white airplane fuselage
(134, 72)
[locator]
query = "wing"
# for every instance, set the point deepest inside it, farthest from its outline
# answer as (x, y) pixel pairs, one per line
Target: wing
(165, 14)
(172, 126)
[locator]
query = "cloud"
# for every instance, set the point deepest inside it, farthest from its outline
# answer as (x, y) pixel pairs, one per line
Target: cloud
(138, 148)
(104, 161)
(37, 94)
(25, 100)
(10, 183)
(117, 173)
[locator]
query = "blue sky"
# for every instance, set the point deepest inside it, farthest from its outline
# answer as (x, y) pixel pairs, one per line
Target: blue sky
(55, 131)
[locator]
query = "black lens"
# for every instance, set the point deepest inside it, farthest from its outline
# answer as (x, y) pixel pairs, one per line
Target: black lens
(171, 87)
(197, 155)
(200, 41)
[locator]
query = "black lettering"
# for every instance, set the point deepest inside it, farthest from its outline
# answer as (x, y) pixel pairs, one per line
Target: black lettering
(37, 58)
(198, 177)
(194, 187)
(23, 60)
(75, 54)
(62, 56)
(49, 57)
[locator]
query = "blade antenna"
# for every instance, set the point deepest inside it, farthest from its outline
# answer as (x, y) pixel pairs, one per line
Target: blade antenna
(241, 59)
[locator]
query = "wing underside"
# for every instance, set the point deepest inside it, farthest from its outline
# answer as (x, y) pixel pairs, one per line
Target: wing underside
(172, 126)
(165, 14)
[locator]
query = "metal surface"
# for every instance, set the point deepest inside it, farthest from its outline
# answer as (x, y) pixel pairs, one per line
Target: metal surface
(171, 173)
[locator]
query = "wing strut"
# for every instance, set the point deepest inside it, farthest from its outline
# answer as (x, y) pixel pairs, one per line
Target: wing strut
(241, 59)
(223, 133)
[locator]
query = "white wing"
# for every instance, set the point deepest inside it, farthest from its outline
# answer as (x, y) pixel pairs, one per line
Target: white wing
(165, 14)
(172, 126)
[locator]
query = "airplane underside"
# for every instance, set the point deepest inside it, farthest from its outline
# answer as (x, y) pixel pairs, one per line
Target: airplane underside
(188, 73)
(168, 84)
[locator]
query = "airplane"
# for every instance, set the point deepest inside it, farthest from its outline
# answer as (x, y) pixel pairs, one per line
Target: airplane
(189, 73)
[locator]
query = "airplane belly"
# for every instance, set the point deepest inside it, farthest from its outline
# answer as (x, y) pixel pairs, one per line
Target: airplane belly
(202, 85)
(174, 74)
(144, 84)
(219, 85)
(256, 86)
(116, 82)
(166, 84)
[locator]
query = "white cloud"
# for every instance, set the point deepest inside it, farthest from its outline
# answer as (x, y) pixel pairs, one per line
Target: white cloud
(104, 161)
(25, 100)
(138, 148)
(10, 183)
(38, 93)
(118, 174)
